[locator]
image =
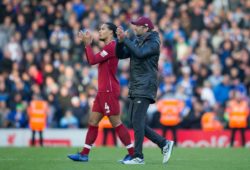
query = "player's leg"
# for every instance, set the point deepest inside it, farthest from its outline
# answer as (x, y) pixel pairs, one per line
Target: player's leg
(92, 132)
(122, 133)
(91, 136)
(113, 106)
(94, 119)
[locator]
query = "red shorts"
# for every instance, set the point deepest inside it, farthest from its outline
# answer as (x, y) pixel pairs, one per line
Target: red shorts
(107, 104)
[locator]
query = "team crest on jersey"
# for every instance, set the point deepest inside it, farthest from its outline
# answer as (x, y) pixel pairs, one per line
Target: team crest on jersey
(104, 53)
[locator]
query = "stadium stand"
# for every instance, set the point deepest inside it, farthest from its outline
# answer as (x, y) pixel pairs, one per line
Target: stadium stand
(204, 56)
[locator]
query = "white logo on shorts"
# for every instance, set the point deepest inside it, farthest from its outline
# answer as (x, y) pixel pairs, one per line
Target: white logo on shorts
(106, 107)
(139, 101)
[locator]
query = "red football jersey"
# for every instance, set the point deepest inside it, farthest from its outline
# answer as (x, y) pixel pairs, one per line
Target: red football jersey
(108, 62)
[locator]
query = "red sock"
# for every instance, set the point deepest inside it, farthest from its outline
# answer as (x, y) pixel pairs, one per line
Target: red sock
(124, 136)
(90, 139)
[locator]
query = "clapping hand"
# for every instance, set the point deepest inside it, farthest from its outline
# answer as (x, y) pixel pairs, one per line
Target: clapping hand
(120, 34)
(86, 37)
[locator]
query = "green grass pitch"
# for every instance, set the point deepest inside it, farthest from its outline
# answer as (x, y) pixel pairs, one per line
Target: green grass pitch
(104, 158)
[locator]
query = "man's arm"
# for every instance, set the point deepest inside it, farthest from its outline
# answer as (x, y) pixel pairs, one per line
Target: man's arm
(121, 51)
(100, 57)
(148, 49)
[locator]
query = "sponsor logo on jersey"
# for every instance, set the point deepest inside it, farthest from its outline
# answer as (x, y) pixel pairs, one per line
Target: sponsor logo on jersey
(104, 53)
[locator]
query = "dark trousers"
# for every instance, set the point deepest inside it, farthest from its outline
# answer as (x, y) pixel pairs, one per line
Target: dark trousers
(171, 128)
(138, 109)
(105, 136)
(40, 137)
(242, 132)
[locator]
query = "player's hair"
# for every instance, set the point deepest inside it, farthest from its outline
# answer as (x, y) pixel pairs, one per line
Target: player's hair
(112, 27)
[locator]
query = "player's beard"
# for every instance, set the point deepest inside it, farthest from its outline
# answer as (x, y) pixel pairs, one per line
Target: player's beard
(102, 39)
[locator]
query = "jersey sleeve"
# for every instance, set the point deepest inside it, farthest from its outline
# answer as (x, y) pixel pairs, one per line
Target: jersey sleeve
(106, 53)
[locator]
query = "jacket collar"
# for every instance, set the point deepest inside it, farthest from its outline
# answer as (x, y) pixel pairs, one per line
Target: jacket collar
(141, 39)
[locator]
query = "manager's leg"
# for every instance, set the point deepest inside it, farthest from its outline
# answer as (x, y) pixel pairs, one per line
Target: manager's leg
(139, 110)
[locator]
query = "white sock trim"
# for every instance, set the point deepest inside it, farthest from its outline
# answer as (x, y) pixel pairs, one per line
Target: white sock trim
(130, 146)
(87, 146)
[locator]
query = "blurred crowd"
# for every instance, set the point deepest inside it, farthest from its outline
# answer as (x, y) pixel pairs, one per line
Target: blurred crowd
(204, 56)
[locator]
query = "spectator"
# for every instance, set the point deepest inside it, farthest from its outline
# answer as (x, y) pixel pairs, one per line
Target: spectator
(36, 75)
(207, 94)
(4, 111)
(78, 111)
(216, 78)
(15, 48)
(6, 30)
(193, 119)
(186, 81)
(22, 26)
(203, 51)
(69, 120)
(222, 90)
(17, 118)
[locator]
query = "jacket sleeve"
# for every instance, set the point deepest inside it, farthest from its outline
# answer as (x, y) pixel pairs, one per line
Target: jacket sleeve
(100, 57)
(121, 51)
(149, 48)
